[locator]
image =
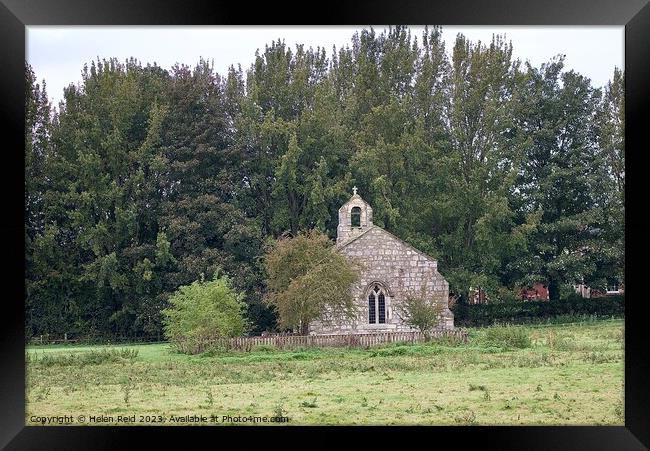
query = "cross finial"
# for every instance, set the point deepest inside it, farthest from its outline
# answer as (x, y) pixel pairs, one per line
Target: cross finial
(354, 190)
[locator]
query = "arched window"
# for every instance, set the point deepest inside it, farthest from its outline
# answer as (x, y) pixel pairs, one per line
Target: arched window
(356, 217)
(381, 307)
(377, 306)
(372, 318)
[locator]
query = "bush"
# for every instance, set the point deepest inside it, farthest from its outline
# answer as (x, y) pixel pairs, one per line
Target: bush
(422, 312)
(537, 311)
(507, 337)
(203, 312)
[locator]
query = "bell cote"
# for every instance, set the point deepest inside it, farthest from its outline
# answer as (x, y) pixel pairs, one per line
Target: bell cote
(355, 216)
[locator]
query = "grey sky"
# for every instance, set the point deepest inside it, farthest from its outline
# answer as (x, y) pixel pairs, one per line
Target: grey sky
(58, 54)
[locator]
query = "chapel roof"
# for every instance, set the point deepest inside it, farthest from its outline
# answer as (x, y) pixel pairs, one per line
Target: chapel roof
(382, 230)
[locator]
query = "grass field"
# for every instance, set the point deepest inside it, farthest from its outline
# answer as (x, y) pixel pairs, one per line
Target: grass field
(558, 374)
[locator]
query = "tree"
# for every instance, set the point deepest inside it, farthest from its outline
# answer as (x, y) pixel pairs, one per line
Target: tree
(421, 311)
(203, 311)
(308, 280)
(561, 179)
(476, 220)
(145, 178)
(610, 127)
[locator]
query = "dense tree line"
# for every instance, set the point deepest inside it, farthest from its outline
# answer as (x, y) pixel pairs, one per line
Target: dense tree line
(145, 178)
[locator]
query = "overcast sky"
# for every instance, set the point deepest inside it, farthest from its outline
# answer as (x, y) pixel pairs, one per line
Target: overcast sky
(58, 54)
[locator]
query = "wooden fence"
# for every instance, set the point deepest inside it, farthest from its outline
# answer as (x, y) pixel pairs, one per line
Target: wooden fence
(349, 340)
(48, 340)
(289, 341)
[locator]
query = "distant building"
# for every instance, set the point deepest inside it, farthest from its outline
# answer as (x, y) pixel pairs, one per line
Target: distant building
(538, 292)
(612, 289)
(477, 296)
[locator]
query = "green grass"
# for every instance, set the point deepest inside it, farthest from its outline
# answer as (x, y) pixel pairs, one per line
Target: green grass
(557, 374)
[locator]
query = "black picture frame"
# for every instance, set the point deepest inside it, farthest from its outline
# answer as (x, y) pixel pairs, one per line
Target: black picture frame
(15, 15)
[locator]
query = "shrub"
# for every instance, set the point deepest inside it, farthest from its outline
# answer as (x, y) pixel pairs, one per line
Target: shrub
(422, 312)
(537, 311)
(202, 312)
(507, 337)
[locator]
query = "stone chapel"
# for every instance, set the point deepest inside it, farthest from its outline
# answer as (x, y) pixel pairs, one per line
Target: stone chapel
(392, 270)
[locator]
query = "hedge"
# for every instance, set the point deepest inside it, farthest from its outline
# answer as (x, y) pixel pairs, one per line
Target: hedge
(534, 311)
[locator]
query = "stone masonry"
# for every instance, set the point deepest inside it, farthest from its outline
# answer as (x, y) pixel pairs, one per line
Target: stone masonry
(390, 268)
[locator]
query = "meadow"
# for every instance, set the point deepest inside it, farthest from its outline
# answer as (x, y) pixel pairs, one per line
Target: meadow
(555, 374)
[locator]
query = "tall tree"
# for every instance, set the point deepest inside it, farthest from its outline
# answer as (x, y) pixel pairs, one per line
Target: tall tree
(200, 216)
(476, 230)
(561, 177)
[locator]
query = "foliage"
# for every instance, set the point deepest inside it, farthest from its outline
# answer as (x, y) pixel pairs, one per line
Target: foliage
(507, 337)
(308, 280)
(203, 311)
(143, 178)
(422, 312)
(532, 311)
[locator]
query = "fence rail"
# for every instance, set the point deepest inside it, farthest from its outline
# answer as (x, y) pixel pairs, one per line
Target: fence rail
(47, 340)
(306, 341)
(296, 341)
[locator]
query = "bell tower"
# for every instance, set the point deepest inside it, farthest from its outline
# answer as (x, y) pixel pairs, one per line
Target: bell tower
(355, 217)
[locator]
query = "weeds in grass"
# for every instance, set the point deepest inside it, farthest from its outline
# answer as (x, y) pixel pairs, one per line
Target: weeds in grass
(508, 337)
(468, 417)
(310, 404)
(279, 411)
(619, 411)
(265, 348)
(601, 357)
(126, 391)
(86, 358)
(43, 394)
(483, 388)
(398, 350)
(551, 339)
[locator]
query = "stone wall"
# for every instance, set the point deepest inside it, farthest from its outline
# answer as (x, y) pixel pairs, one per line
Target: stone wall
(400, 269)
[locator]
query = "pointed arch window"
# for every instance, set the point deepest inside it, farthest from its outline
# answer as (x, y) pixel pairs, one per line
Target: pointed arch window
(355, 217)
(377, 305)
(372, 309)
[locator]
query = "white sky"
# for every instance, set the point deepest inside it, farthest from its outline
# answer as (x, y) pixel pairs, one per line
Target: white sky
(58, 53)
